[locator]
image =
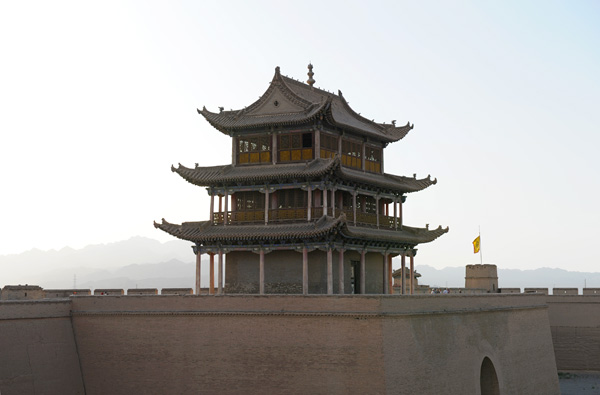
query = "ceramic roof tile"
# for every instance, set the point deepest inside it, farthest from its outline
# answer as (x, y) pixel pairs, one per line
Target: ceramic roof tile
(308, 103)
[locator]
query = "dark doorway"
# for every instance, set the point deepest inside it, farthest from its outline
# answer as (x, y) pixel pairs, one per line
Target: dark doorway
(488, 378)
(355, 276)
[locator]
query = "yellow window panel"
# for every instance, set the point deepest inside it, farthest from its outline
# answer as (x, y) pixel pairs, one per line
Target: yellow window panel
(296, 154)
(307, 154)
(243, 158)
(265, 156)
(254, 157)
(284, 156)
(378, 167)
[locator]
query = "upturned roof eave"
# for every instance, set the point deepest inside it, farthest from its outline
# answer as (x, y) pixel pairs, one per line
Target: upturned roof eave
(204, 232)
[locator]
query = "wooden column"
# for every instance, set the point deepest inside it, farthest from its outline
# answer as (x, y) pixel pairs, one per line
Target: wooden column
(211, 289)
(403, 272)
(198, 272)
(390, 277)
(324, 200)
(341, 272)
(274, 149)
(395, 214)
(386, 284)
(329, 271)
(362, 272)
(226, 207)
(212, 207)
(266, 206)
(305, 271)
(377, 210)
(412, 274)
(234, 150)
(400, 212)
(362, 154)
(333, 202)
(354, 205)
(317, 144)
(220, 275)
(309, 191)
(220, 203)
(261, 280)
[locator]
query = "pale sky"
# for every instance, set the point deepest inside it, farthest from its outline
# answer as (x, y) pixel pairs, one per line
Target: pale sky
(98, 100)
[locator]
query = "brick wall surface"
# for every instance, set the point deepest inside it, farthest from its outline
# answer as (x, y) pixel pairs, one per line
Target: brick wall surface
(575, 326)
(38, 355)
(313, 344)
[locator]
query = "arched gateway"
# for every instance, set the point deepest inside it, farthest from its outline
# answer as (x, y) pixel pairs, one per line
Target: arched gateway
(488, 378)
(306, 187)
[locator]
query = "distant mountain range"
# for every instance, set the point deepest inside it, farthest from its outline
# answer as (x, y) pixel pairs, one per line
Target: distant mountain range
(146, 263)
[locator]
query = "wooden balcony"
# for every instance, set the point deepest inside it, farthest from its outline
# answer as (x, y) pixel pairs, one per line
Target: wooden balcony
(300, 214)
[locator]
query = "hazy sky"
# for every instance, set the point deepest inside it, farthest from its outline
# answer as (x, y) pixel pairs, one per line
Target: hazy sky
(98, 99)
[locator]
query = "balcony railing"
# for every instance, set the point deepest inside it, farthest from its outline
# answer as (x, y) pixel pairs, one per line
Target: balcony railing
(300, 214)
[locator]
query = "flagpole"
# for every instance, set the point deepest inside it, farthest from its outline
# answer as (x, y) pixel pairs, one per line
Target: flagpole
(480, 253)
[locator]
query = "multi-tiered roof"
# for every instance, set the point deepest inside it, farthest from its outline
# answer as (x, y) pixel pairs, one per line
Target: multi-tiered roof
(306, 170)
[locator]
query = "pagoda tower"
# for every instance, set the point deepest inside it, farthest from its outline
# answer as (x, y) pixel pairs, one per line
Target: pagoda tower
(306, 187)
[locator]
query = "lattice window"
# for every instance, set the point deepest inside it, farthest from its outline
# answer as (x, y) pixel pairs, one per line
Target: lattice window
(352, 154)
(253, 149)
(291, 198)
(329, 145)
(295, 147)
(249, 201)
(373, 157)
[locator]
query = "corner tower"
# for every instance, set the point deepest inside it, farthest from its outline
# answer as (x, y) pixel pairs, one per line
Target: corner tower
(306, 186)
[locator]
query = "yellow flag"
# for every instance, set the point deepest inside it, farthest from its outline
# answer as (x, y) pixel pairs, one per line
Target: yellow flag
(476, 245)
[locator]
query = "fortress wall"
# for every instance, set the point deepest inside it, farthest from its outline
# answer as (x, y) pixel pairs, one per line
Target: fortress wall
(39, 355)
(575, 326)
(313, 344)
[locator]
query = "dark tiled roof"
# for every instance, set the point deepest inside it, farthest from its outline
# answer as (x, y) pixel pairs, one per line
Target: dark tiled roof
(204, 232)
(305, 104)
(218, 175)
(392, 182)
(406, 234)
(206, 176)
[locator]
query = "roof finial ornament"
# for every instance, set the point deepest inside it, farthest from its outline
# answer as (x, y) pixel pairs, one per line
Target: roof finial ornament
(311, 80)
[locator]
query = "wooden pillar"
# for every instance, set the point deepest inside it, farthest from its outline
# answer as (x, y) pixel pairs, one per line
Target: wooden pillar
(354, 205)
(261, 280)
(212, 207)
(400, 212)
(395, 214)
(309, 191)
(220, 275)
(333, 202)
(377, 210)
(362, 271)
(274, 149)
(220, 203)
(226, 207)
(386, 284)
(198, 271)
(403, 272)
(412, 274)
(234, 150)
(266, 206)
(362, 154)
(211, 289)
(305, 271)
(341, 272)
(324, 200)
(329, 271)
(390, 277)
(317, 144)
